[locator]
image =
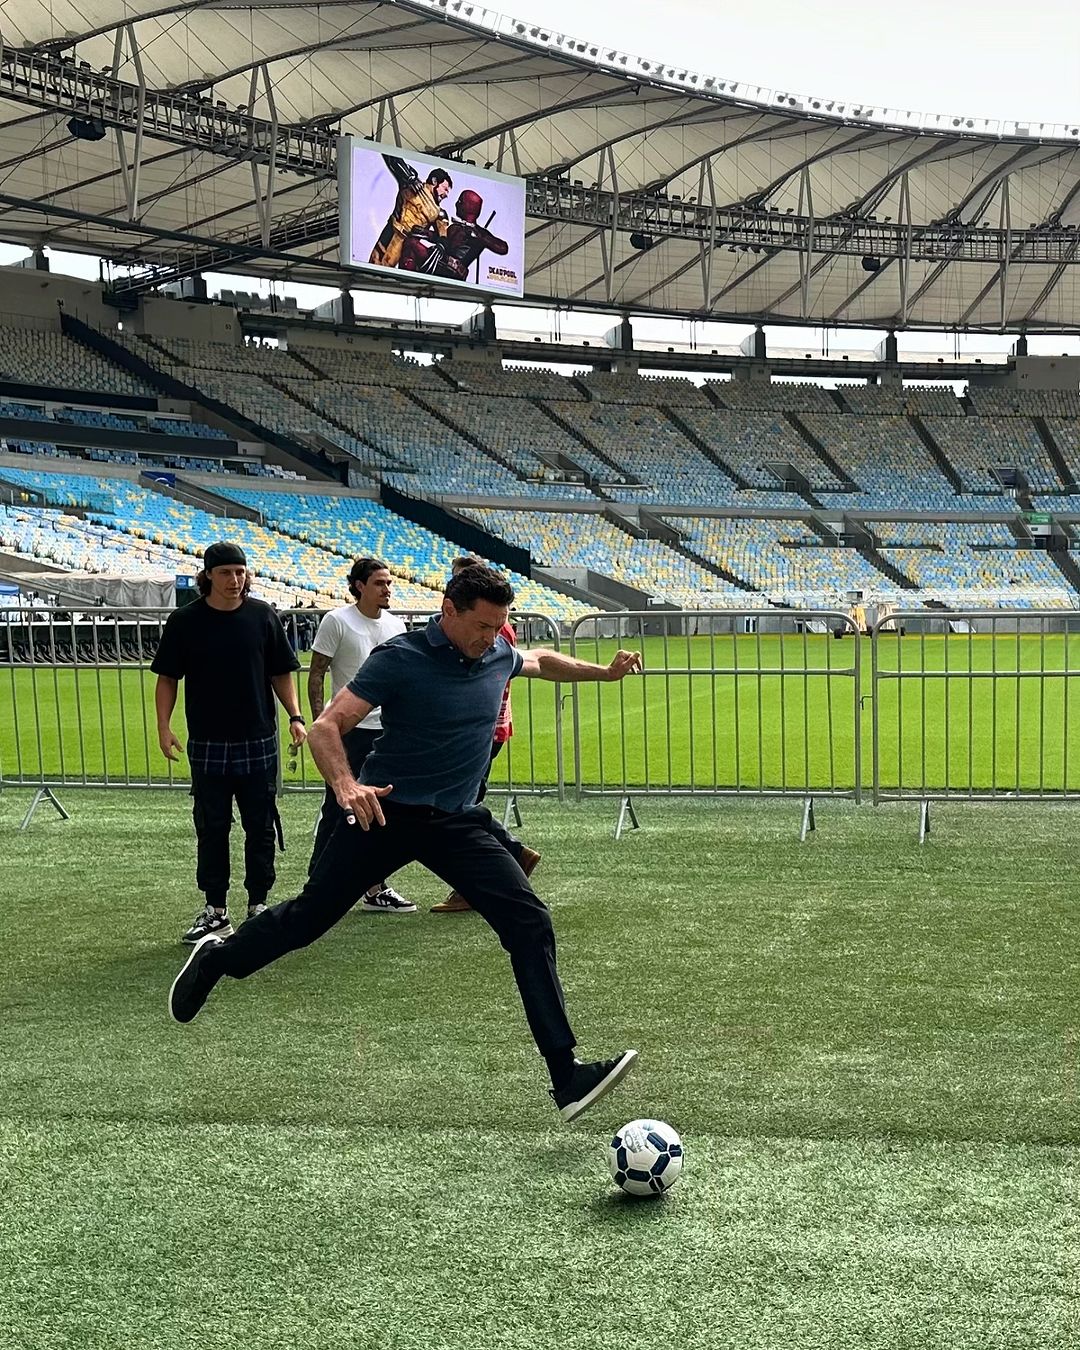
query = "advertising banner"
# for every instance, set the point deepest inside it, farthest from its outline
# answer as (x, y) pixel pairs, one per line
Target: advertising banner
(450, 223)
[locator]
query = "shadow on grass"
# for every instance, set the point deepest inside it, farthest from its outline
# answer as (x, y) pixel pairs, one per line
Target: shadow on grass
(626, 1213)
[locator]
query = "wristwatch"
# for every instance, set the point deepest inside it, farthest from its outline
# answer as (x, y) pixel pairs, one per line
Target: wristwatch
(299, 719)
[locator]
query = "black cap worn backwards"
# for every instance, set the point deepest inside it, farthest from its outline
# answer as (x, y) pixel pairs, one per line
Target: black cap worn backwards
(223, 555)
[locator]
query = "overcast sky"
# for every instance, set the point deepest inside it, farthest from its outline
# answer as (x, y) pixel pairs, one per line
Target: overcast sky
(1003, 59)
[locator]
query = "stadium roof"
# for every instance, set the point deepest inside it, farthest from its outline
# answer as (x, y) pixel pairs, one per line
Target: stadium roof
(758, 204)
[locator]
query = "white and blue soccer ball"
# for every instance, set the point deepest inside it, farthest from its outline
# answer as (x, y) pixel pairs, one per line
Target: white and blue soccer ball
(646, 1157)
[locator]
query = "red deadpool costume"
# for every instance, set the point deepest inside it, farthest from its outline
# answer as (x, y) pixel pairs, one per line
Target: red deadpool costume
(465, 240)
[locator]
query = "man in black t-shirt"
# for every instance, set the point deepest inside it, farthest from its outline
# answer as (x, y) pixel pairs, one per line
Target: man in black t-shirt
(235, 657)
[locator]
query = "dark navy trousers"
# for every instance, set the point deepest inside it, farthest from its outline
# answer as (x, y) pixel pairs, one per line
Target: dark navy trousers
(465, 850)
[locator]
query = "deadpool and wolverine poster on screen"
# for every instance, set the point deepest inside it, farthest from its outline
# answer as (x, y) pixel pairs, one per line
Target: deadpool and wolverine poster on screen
(450, 222)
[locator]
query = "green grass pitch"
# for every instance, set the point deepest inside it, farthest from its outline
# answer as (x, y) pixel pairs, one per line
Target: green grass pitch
(782, 714)
(869, 1048)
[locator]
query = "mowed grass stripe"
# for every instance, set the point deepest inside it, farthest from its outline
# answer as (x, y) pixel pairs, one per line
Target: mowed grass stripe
(868, 1047)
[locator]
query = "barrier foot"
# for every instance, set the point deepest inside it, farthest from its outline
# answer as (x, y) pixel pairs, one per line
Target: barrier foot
(43, 794)
(924, 821)
(808, 822)
(511, 812)
(626, 809)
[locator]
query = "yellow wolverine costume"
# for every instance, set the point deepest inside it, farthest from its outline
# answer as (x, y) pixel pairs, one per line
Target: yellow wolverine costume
(416, 211)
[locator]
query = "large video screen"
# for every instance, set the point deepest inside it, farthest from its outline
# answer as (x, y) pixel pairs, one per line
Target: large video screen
(406, 212)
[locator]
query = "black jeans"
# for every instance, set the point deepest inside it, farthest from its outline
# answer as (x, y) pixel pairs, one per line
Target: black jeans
(358, 745)
(255, 796)
(465, 852)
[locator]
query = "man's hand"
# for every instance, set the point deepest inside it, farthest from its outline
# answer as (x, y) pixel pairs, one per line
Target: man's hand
(361, 803)
(623, 664)
(297, 733)
(168, 743)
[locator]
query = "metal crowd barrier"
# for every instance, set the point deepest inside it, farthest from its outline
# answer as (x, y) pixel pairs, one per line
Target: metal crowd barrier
(77, 706)
(762, 703)
(977, 705)
(974, 706)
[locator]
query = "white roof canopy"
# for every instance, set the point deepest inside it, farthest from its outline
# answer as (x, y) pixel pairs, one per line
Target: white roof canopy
(759, 204)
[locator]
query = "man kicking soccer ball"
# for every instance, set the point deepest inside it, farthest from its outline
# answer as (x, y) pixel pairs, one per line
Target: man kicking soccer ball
(440, 689)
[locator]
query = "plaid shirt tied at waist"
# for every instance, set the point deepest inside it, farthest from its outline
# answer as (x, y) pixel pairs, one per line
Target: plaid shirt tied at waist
(233, 757)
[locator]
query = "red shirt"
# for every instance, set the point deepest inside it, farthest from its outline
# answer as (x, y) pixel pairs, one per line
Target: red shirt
(504, 723)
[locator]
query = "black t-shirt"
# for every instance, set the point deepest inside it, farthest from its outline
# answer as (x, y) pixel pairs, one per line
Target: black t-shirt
(228, 657)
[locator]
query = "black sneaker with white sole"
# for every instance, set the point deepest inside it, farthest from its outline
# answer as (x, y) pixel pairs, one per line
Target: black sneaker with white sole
(192, 986)
(208, 921)
(589, 1082)
(387, 901)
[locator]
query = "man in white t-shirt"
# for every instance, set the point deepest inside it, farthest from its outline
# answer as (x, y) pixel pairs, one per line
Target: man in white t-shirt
(346, 638)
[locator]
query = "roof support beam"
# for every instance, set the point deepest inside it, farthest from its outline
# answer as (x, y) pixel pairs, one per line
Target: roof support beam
(609, 260)
(508, 139)
(129, 174)
(55, 85)
(708, 247)
(218, 251)
(863, 285)
(1055, 277)
(415, 87)
(1005, 228)
(386, 112)
(264, 195)
(905, 260)
(806, 255)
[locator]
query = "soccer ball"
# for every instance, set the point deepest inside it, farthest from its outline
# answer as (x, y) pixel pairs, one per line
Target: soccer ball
(646, 1157)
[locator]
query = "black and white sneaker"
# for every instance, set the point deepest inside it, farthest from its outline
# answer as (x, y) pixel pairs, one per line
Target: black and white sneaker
(590, 1082)
(208, 921)
(192, 986)
(387, 901)
(255, 910)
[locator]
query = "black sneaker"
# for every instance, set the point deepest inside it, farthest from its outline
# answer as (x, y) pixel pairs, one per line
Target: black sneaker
(589, 1082)
(208, 921)
(255, 910)
(387, 901)
(192, 986)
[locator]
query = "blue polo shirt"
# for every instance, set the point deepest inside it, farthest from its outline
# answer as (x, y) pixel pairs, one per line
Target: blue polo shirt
(438, 715)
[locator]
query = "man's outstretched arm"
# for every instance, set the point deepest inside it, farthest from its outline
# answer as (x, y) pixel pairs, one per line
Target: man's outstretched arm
(359, 802)
(563, 669)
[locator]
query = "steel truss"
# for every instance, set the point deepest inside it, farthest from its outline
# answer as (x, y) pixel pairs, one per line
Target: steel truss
(132, 111)
(66, 86)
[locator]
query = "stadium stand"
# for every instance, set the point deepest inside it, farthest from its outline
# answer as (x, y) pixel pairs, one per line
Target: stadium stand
(514, 435)
(352, 526)
(872, 399)
(976, 445)
(644, 390)
(29, 356)
(888, 460)
(139, 514)
(979, 565)
(785, 560)
(780, 396)
(566, 539)
(650, 451)
(509, 381)
(1024, 402)
(441, 460)
(349, 366)
(747, 441)
(78, 545)
(236, 358)
(483, 432)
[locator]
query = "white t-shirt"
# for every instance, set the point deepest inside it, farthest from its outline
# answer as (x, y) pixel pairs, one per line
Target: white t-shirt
(348, 638)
